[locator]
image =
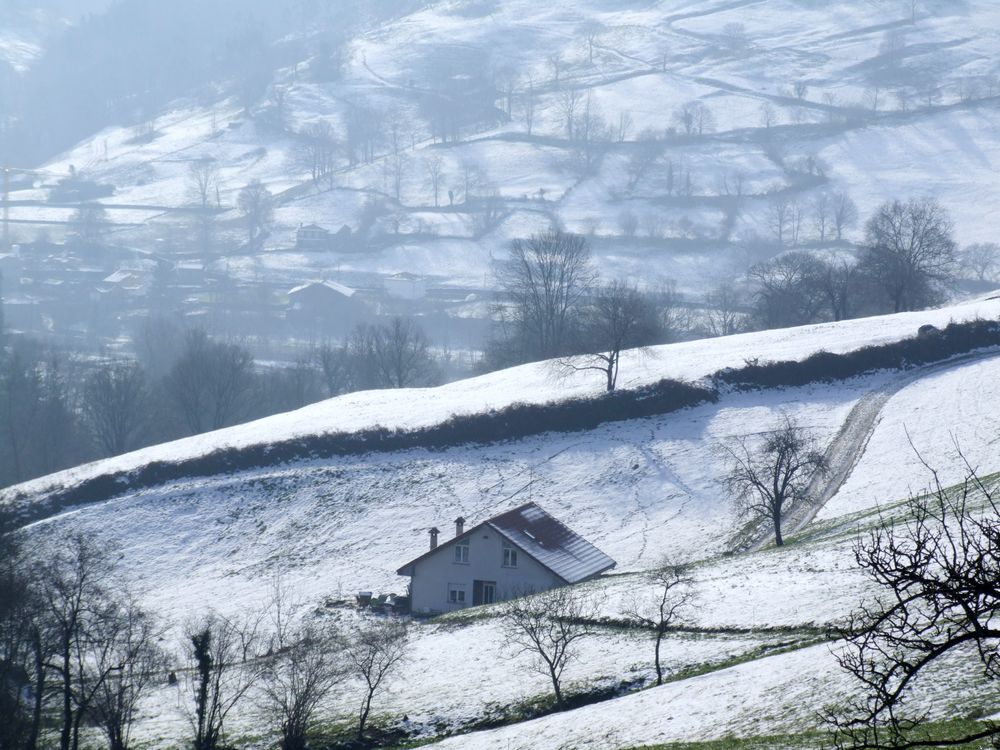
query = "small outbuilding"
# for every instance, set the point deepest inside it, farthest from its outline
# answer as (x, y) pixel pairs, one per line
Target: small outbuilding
(519, 551)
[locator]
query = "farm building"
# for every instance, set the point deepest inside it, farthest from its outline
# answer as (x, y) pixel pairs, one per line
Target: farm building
(519, 551)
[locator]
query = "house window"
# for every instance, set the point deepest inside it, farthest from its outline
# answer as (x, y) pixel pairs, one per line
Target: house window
(456, 593)
(509, 556)
(462, 551)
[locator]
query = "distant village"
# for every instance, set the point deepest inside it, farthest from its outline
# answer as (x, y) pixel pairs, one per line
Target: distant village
(83, 294)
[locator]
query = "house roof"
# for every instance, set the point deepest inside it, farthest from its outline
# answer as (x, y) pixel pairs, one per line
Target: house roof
(543, 537)
(314, 228)
(346, 291)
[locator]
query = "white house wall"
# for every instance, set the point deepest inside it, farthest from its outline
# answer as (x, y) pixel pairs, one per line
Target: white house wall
(432, 574)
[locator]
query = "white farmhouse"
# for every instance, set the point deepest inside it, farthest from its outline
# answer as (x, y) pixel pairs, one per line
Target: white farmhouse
(516, 552)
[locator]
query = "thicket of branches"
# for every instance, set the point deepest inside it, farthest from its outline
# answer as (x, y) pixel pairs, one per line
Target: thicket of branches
(58, 410)
(937, 569)
(79, 654)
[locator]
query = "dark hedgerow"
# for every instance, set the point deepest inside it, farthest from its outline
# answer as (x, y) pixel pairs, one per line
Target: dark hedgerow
(522, 420)
(516, 421)
(823, 366)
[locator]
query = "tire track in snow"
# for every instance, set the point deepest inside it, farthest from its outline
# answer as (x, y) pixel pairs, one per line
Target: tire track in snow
(847, 448)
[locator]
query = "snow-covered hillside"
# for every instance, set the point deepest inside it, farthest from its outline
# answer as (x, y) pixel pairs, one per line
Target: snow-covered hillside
(898, 100)
(643, 491)
(532, 383)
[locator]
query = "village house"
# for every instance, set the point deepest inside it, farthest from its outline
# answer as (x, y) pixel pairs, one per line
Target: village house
(312, 237)
(517, 552)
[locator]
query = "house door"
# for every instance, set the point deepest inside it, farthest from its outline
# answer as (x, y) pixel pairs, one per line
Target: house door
(484, 592)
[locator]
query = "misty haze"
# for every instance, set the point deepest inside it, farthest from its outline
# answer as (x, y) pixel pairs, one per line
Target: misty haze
(475, 374)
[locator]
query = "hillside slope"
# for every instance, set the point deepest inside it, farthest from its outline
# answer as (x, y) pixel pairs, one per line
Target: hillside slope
(642, 490)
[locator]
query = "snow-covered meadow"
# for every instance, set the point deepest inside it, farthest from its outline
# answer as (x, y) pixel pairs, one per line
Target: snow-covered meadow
(644, 491)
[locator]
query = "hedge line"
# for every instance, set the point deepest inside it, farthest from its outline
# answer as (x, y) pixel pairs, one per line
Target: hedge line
(520, 420)
(933, 346)
(515, 421)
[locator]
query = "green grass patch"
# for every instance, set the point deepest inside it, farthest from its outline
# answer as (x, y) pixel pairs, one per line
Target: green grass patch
(815, 740)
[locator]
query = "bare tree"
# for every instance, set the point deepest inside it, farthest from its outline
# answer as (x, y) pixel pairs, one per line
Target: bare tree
(981, 259)
(548, 627)
(695, 118)
(528, 105)
(625, 124)
(766, 479)
(822, 209)
(125, 664)
(660, 609)
(203, 179)
(401, 354)
(75, 591)
(297, 679)
(372, 652)
(225, 655)
(618, 317)
(435, 171)
(936, 568)
(556, 64)
(544, 280)
(909, 251)
(801, 88)
(256, 205)
(628, 222)
(397, 163)
(768, 115)
(568, 102)
(590, 132)
(724, 310)
(114, 404)
(838, 282)
(786, 291)
(319, 148)
(209, 382)
(844, 213)
(780, 217)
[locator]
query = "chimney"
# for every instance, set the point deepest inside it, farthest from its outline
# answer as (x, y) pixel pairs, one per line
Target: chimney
(434, 537)
(459, 526)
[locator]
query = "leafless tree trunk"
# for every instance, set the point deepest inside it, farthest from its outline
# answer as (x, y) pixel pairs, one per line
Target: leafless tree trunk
(568, 102)
(401, 354)
(297, 679)
(844, 213)
(210, 382)
(618, 317)
(981, 259)
(435, 171)
(226, 664)
(256, 205)
(910, 252)
(765, 479)
(548, 627)
(672, 593)
(373, 651)
(115, 400)
(724, 314)
(125, 665)
(203, 176)
(937, 569)
(75, 585)
(544, 279)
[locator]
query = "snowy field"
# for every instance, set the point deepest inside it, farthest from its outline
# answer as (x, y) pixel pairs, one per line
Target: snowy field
(645, 64)
(532, 383)
(644, 491)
